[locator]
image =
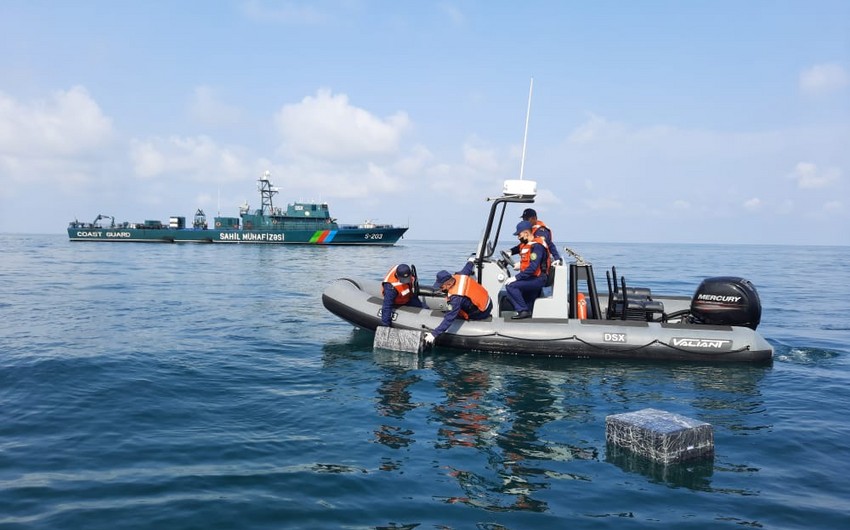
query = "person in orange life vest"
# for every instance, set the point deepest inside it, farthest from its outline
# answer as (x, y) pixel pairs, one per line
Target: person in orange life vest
(397, 289)
(466, 299)
(539, 229)
(525, 286)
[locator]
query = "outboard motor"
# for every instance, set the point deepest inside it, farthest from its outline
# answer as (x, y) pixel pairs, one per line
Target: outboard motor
(726, 300)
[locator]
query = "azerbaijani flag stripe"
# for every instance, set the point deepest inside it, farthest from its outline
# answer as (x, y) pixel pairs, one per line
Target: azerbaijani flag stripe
(323, 236)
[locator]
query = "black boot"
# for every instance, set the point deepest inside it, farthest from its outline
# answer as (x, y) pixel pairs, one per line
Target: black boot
(521, 314)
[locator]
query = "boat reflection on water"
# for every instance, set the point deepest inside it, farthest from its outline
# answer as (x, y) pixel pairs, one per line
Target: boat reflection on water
(509, 431)
(394, 401)
(503, 419)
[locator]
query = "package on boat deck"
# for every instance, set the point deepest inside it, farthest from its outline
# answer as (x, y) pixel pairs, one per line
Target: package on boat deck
(661, 436)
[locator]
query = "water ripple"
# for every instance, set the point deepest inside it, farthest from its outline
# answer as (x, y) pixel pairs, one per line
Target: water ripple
(187, 386)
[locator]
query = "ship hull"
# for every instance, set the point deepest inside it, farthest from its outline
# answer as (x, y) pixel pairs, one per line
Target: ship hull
(342, 236)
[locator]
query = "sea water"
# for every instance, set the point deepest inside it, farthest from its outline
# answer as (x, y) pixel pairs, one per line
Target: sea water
(205, 386)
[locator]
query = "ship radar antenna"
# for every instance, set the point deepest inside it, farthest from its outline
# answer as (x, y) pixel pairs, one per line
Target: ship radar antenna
(266, 193)
(525, 136)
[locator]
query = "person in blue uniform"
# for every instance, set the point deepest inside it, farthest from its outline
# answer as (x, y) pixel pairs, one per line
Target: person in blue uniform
(525, 286)
(398, 291)
(465, 297)
(539, 229)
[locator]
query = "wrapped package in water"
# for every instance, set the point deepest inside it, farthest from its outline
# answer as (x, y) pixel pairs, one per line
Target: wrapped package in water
(395, 339)
(660, 436)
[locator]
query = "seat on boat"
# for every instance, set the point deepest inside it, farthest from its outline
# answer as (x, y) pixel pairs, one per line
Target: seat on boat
(553, 301)
(630, 303)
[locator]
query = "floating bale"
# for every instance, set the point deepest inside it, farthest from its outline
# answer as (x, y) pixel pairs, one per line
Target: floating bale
(395, 339)
(660, 436)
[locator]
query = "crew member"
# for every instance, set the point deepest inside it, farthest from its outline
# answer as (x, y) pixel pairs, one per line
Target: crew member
(525, 286)
(465, 297)
(539, 229)
(397, 289)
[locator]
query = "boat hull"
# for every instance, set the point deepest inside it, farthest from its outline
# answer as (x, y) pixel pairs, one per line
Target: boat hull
(359, 302)
(342, 236)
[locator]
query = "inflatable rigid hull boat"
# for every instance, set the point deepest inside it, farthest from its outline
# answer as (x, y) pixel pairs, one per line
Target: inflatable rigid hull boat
(570, 318)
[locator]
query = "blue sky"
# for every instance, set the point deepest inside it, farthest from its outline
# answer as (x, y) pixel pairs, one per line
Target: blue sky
(654, 121)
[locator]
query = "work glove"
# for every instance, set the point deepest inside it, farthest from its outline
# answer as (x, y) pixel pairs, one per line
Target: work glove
(510, 280)
(429, 339)
(471, 259)
(516, 266)
(559, 261)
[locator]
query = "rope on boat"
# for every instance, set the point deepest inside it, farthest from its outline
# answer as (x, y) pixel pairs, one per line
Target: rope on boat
(598, 347)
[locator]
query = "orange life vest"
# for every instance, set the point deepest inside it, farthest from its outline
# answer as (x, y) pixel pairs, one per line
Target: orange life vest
(405, 293)
(525, 256)
(540, 224)
(468, 287)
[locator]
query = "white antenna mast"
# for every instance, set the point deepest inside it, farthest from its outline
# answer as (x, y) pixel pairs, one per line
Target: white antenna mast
(525, 136)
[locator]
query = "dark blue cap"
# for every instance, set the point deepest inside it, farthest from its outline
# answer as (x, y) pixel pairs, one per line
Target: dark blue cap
(522, 225)
(403, 273)
(442, 277)
(528, 213)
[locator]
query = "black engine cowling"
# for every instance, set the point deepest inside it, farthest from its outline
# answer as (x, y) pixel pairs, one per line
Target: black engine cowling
(726, 300)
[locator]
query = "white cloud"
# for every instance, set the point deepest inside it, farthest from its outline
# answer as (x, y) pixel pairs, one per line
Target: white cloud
(196, 157)
(330, 145)
(595, 129)
(454, 14)
(67, 124)
(833, 207)
(63, 140)
(208, 109)
(603, 204)
(546, 197)
(667, 171)
(328, 126)
(414, 162)
(824, 78)
(809, 176)
(484, 159)
(785, 207)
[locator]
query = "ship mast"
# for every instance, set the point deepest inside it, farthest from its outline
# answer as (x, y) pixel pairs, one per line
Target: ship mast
(525, 136)
(266, 194)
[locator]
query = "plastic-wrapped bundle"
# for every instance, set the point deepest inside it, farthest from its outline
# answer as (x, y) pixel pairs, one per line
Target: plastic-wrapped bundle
(659, 435)
(395, 339)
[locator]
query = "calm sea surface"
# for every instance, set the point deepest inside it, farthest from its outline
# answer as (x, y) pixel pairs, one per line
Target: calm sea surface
(205, 386)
